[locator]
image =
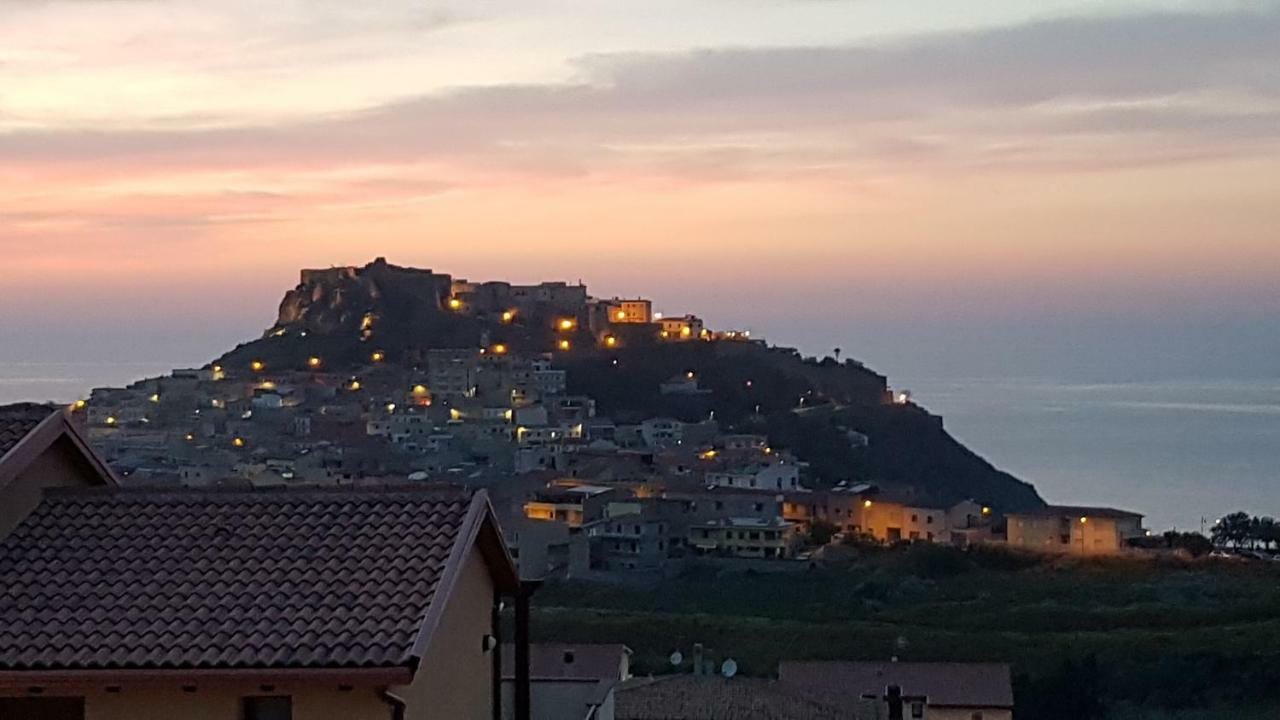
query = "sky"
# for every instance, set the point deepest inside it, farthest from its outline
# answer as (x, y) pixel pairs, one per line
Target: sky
(1075, 188)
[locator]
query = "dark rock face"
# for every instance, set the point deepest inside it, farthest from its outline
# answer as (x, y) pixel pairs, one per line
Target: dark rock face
(340, 299)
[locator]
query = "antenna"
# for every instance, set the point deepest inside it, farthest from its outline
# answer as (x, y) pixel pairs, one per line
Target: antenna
(729, 668)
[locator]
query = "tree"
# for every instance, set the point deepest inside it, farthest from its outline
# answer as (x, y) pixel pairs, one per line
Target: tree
(821, 532)
(1193, 543)
(1265, 530)
(837, 354)
(1233, 529)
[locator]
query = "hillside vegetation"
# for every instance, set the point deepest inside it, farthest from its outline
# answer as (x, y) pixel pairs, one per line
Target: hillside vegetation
(1149, 638)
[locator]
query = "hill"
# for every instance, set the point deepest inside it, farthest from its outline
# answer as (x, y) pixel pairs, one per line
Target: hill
(819, 409)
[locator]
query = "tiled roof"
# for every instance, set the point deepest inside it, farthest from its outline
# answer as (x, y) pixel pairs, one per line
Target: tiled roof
(99, 579)
(691, 697)
(1078, 510)
(17, 421)
(976, 685)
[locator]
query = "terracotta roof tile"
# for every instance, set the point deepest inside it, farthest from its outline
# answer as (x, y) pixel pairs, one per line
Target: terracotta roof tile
(17, 421)
(112, 578)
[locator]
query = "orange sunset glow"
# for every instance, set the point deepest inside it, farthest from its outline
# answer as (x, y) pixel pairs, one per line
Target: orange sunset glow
(878, 161)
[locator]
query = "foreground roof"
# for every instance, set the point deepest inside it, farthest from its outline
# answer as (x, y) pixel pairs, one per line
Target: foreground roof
(28, 429)
(17, 421)
(977, 685)
(153, 579)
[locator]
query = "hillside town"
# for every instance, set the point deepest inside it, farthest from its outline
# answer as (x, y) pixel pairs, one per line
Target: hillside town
(576, 491)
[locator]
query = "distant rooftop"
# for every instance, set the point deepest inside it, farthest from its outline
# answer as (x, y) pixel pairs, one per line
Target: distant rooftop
(969, 685)
(1080, 511)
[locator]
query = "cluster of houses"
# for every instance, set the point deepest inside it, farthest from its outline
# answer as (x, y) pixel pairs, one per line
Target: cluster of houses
(355, 603)
(577, 491)
(570, 527)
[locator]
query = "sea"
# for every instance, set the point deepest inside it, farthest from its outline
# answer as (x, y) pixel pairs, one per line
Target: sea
(1181, 452)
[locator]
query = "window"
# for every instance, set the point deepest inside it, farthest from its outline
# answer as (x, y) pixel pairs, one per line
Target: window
(268, 708)
(759, 507)
(43, 708)
(915, 518)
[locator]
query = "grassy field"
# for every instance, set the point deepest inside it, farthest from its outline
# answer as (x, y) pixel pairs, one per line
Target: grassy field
(1146, 637)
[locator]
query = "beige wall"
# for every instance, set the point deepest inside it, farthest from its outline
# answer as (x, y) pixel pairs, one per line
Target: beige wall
(60, 465)
(1098, 536)
(557, 699)
(218, 701)
(455, 678)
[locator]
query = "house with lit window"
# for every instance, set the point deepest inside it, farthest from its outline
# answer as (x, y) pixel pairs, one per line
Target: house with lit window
(744, 538)
(1073, 529)
(576, 505)
(350, 604)
(686, 327)
(890, 517)
(629, 311)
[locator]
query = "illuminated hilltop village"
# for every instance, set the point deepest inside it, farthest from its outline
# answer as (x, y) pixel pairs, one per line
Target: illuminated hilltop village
(610, 436)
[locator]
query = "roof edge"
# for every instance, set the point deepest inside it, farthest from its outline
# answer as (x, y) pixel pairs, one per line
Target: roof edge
(389, 675)
(479, 517)
(42, 436)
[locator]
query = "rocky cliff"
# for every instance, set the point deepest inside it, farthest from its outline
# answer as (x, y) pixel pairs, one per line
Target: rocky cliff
(350, 299)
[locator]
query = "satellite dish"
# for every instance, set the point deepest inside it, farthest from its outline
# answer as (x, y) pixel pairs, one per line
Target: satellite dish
(676, 658)
(729, 668)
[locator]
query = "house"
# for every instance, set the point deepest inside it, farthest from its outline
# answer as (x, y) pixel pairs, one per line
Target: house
(926, 690)
(576, 505)
(661, 432)
(570, 682)
(1073, 529)
(42, 448)
(686, 327)
(358, 604)
(779, 476)
(633, 536)
(890, 517)
(744, 538)
(546, 548)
